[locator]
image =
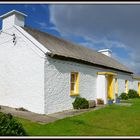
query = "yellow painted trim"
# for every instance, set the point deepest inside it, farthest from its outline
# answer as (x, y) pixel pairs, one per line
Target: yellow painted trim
(77, 83)
(110, 87)
(107, 73)
(126, 86)
(139, 88)
(76, 92)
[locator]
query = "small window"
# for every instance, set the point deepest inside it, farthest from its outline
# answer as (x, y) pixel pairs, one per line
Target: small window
(74, 81)
(126, 86)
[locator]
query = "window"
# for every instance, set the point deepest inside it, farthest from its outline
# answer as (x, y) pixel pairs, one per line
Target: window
(74, 81)
(126, 86)
(116, 86)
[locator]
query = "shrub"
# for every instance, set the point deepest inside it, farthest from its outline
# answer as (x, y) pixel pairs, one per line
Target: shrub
(10, 127)
(123, 96)
(133, 93)
(100, 101)
(80, 103)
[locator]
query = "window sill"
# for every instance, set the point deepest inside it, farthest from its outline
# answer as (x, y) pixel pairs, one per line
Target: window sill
(74, 94)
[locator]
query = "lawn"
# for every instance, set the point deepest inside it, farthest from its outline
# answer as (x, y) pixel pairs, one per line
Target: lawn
(112, 120)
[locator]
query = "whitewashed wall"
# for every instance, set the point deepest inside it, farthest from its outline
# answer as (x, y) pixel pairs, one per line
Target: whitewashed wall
(121, 82)
(57, 84)
(91, 86)
(135, 84)
(21, 73)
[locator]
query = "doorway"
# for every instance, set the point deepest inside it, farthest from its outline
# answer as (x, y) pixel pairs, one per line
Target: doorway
(110, 85)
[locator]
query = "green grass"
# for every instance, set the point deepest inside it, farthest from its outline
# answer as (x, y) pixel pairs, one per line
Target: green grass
(112, 120)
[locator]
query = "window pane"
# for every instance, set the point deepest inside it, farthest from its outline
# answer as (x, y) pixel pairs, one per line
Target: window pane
(74, 82)
(72, 78)
(72, 86)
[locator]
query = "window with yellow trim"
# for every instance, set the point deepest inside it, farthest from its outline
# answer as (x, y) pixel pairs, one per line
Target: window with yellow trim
(74, 81)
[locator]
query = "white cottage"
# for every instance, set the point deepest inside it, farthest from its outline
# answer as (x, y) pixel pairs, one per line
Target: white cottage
(44, 73)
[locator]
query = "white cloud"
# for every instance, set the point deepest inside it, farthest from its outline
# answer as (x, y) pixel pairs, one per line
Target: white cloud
(106, 25)
(42, 24)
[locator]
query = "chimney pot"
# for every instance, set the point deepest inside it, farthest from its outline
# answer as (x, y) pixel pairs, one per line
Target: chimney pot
(106, 52)
(12, 18)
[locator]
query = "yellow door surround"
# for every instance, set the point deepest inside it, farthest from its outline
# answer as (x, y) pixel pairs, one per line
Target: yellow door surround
(110, 85)
(110, 82)
(107, 73)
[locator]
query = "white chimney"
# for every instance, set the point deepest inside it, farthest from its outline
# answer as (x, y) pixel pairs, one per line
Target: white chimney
(107, 52)
(12, 18)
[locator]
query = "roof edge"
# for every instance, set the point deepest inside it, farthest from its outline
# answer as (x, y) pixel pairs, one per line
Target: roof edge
(32, 39)
(83, 62)
(134, 76)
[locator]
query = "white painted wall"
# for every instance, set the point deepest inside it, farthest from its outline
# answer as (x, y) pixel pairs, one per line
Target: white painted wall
(57, 84)
(135, 84)
(21, 73)
(121, 82)
(91, 85)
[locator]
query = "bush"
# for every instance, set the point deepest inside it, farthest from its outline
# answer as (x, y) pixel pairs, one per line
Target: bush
(80, 103)
(10, 127)
(133, 94)
(100, 101)
(123, 96)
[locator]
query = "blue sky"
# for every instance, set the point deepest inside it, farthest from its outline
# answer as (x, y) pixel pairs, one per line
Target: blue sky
(95, 26)
(38, 16)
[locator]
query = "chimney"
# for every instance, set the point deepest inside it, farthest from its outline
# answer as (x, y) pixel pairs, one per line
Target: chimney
(12, 18)
(106, 52)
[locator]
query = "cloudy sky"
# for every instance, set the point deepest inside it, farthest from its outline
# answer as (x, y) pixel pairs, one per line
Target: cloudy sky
(116, 27)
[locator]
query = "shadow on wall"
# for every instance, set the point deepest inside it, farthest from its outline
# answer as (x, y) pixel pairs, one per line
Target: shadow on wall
(64, 66)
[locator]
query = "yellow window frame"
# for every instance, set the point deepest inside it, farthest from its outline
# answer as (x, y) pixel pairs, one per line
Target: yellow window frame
(74, 92)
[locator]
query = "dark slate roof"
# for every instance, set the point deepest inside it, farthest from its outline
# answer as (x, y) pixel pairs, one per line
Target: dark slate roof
(60, 47)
